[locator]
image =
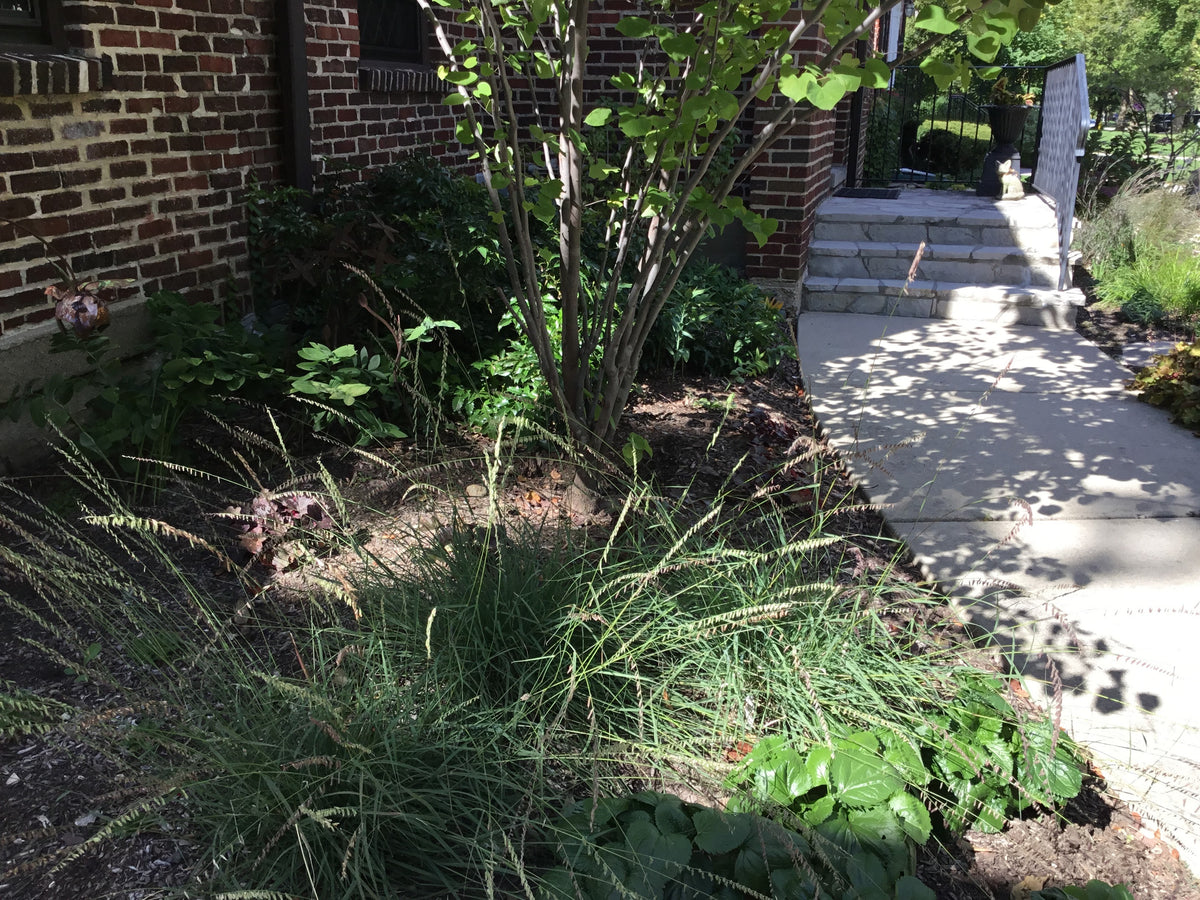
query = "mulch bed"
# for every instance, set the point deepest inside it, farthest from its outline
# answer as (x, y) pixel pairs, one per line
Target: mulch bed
(51, 789)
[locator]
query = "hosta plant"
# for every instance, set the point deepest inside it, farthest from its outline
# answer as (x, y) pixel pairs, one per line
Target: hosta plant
(854, 792)
(988, 764)
(652, 845)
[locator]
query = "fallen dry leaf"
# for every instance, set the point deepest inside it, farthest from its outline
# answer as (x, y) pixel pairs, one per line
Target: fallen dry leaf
(738, 751)
(1026, 886)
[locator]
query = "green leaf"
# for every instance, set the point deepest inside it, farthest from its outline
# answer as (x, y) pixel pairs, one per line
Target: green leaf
(750, 870)
(868, 877)
(458, 76)
(795, 85)
(817, 764)
(877, 74)
(912, 816)
(623, 81)
(634, 27)
(659, 857)
(934, 18)
(680, 46)
(635, 125)
(718, 832)
(636, 449)
(985, 46)
(314, 352)
(818, 810)
(876, 826)
(600, 170)
(859, 775)
(828, 94)
(911, 888)
(598, 116)
(670, 817)
(942, 72)
(1027, 18)
(906, 759)
(992, 815)
(696, 108)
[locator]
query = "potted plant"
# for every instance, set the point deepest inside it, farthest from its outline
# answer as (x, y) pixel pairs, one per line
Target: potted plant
(1007, 111)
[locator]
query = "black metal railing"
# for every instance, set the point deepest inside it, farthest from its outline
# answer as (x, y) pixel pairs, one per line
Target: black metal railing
(917, 133)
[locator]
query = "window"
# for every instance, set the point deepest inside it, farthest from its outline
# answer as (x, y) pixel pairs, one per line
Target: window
(30, 24)
(389, 31)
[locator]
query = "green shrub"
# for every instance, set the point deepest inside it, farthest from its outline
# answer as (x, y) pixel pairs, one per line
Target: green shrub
(509, 383)
(855, 790)
(987, 764)
(975, 763)
(348, 375)
(718, 323)
(1172, 381)
(715, 322)
(1154, 285)
(421, 233)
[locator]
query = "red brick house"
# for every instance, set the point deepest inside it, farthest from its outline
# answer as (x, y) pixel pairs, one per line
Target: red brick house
(129, 132)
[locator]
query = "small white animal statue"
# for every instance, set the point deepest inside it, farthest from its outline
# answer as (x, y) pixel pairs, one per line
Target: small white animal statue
(1010, 181)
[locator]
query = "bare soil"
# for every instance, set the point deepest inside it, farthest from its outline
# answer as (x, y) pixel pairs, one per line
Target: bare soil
(54, 790)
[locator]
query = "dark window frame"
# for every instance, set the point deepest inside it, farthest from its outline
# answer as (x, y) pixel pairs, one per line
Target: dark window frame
(38, 26)
(405, 45)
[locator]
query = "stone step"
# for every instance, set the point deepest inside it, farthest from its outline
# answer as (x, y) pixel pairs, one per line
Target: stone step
(1003, 304)
(939, 262)
(939, 217)
(876, 228)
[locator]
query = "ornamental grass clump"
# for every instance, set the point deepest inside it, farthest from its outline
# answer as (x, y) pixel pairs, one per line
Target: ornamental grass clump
(1143, 247)
(417, 725)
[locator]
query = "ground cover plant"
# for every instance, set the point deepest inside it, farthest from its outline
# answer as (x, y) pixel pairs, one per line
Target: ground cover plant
(1172, 381)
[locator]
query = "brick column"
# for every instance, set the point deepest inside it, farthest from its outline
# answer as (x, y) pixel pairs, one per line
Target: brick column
(787, 184)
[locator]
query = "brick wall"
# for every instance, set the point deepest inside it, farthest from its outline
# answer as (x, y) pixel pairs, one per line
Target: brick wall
(364, 114)
(134, 163)
(132, 157)
(788, 184)
(136, 172)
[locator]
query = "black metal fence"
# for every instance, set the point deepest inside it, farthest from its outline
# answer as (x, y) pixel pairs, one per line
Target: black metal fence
(917, 133)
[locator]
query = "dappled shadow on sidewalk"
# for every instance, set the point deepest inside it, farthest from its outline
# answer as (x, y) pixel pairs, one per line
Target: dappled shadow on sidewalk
(1063, 514)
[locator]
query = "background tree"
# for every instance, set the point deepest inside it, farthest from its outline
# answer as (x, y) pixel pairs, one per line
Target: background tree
(1139, 52)
(632, 185)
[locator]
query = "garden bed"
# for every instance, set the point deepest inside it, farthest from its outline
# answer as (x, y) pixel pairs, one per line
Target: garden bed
(709, 439)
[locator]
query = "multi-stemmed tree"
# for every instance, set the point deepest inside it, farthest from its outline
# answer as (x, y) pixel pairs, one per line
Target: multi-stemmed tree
(628, 218)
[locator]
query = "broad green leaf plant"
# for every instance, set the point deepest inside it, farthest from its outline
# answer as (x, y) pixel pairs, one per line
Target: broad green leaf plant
(633, 176)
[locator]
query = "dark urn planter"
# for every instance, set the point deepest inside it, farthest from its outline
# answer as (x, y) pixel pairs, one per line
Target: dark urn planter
(1007, 123)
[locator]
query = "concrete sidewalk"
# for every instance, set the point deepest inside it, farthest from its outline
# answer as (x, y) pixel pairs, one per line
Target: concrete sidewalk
(1013, 458)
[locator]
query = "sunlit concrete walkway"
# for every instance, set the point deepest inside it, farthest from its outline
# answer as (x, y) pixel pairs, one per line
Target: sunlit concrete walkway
(1063, 514)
